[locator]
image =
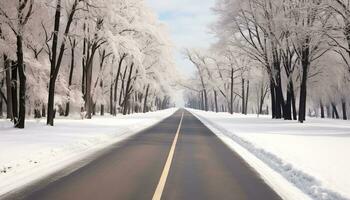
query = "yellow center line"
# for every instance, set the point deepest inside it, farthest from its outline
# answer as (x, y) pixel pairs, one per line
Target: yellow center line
(160, 187)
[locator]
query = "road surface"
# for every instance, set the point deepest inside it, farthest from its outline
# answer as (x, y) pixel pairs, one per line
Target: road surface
(179, 159)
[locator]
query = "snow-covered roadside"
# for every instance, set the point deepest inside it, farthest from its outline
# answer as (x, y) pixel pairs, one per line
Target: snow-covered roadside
(311, 157)
(39, 150)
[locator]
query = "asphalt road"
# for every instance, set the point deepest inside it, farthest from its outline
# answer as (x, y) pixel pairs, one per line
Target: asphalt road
(201, 167)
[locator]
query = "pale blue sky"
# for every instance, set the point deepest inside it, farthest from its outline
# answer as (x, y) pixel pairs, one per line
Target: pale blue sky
(188, 22)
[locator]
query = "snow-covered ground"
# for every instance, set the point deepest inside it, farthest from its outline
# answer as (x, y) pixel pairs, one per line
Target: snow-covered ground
(296, 159)
(39, 150)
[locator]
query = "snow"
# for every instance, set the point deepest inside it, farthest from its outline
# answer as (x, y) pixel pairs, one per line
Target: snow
(39, 150)
(312, 158)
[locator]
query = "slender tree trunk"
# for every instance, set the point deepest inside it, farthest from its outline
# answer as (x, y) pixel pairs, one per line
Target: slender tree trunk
(145, 109)
(122, 86)
(303, 87)
(56, 59)
(343, 103)
(294, 109)
(102, 110)
(120, 64)
(287, 112)
(322, 109)
(8, 88)
(335, 111)
(127, 92)
(70, 79)
(273, 99)
(246, 99)
(216, 101)
(22, 83)
(231, 99)
(88, 98)
(51, 99)
(111, 98)
(243, 96)
(329, 113)
(43, 111)
(14, 94)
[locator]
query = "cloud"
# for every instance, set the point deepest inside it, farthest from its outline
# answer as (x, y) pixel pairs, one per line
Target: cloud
(188, 21)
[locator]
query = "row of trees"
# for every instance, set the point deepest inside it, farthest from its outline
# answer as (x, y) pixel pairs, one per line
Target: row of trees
(278, 55)
(82, 56)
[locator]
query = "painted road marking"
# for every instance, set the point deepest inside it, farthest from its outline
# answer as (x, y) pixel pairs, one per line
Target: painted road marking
(160, 187)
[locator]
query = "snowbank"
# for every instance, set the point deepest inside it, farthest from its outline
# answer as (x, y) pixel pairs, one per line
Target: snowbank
(312, 157)
(39, 150)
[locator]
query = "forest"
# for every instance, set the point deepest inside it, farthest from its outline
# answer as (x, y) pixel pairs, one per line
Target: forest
(287, 58)
(82, 57)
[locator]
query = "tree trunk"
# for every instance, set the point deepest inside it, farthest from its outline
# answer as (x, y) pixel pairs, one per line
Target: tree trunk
(127, 92)
(322, 109)
(246, 99)
(231, 100)
(335, 111)
(120, 64)
(50, 105)
(51, 99)
(8, 88)
(205, 100)
(294, 109)
(88, 99)
(343, 104)
(111, 98)
(145, 101)
(70, 79)
(22, 83)
(14, 94)
(273, 98)
(56, 59)
(303, 87)
(287, 112)
(243, 96)
(216, 101)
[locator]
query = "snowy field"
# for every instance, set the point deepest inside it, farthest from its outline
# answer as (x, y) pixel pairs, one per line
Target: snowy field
(39, 150)
(295, 159)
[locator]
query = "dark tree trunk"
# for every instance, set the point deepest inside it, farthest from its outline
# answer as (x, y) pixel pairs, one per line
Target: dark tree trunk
(329, 113)
(303, 87)
(56, 59)
(120, 64)
(145, 109)
(246, 99)
(243, 96)
(294, 109)
(8, 88)
(231, 99)
(88, 98)
(206, 107)
(216, 101)
(1, 109)
(71, 71)
(343, 105)
(102, 110)
(335, 111)
(273, 99)
(127, 91)
(111, 99)
(322, 109)
(43, 111)
(14, 94)
(287, 112)
(22, 83)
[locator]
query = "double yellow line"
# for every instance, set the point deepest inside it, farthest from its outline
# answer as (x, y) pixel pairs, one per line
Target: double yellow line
(161, 184)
